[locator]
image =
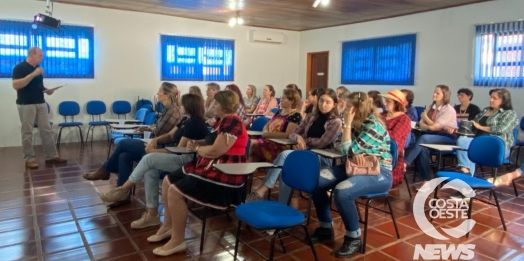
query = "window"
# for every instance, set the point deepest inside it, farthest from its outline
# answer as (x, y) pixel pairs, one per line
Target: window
(379, 61)
(499, 55)
(67, 53)
(197, 59)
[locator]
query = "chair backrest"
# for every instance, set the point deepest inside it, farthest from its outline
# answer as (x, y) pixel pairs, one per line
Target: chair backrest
(121, 107)
(278, 101)
(301, 170)
(141, 115)
(522, 124)
(149, 107)
(95, 107)
(68, 108)
(150, 118)
(259, 123)
(394, 152)
(274, 110)
(492, 157)
(143, 102)
(408, 141)
(419, 109)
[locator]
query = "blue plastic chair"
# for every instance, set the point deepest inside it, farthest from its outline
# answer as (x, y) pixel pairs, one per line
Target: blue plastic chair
(121, 108)
(150, 118)
(142, 102)
(300, 171)
(149, 107)
(159, 107)
(477, 153)
(369, 197)
(69, 108)
(96, 109)
(259, 123)
(419, 109)
(278, 100)
(274, 110)
(141, 115)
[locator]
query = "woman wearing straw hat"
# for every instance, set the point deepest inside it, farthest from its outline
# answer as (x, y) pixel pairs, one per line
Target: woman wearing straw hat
(399, 127)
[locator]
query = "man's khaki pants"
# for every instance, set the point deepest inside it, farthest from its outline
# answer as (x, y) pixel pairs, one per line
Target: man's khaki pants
(27, 114)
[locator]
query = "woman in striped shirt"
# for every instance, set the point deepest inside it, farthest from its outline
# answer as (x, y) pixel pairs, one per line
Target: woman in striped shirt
(364, 134)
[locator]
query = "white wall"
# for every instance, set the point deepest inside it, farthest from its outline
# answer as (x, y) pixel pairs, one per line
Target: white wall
(444, 47)
(127, 59)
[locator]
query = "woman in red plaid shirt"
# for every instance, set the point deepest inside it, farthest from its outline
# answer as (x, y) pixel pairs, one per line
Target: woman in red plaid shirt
(399, 127)
(199, 181)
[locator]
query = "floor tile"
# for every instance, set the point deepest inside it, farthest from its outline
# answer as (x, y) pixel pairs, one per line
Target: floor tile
(61, 243)
(112, 249)
(103, 234)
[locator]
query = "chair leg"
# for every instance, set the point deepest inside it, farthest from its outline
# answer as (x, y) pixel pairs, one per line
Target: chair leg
(407, 185)
(92, 132)
(204, 217)
(515, 188)
(59, 137)
(308, 237)
(237, 239)
(498, 207)
(435, 197)
(308, 211)
(281, 242)
(272, 247)
(470, 209)
(81, 137)
(87, 134)
(366, 215)
(393, 217)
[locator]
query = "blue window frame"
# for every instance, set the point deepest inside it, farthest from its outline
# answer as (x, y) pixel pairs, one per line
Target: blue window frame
(499, 55)
(197, 59)
(67, 53)
(379, 61)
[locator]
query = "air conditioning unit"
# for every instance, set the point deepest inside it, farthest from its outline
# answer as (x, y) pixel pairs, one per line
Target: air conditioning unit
(266, 36)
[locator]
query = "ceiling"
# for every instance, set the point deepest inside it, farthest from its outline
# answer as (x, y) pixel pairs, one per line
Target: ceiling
(296, 15)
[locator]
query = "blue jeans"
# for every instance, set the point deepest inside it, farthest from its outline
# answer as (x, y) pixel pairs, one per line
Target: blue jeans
(462, 155)
(121, 161)
(284, 191)
(347, 190)
(423, 153)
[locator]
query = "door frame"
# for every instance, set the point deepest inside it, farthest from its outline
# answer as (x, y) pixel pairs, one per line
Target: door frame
(308, 70)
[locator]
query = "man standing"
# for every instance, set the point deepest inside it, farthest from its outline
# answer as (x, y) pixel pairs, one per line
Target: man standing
(29, 85)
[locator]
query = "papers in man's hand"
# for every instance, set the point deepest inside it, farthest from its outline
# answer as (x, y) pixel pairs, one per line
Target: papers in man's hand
(146, 141)
(54, 89)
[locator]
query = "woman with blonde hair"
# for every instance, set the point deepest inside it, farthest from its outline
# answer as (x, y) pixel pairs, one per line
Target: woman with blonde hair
(128, 151)
(364, 134)
(251, 99)
(439, 119)
(195, 90)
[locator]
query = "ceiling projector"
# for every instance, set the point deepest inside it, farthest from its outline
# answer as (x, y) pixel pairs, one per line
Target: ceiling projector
(47, 21)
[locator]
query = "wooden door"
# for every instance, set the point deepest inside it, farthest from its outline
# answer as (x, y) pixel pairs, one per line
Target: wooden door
(317, 74)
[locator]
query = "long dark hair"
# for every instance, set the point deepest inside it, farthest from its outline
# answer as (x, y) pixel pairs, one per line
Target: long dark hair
(193, 105)
(333, 113)
(235, 89)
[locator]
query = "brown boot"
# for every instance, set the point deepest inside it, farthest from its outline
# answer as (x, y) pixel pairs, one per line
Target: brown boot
(31, 165)
(55, 160)
(99, 174)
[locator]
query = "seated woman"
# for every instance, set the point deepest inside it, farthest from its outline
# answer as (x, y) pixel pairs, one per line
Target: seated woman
(311, 101)
(466, 111)
(200, 182)
(241, 106)
(195, 90)
(341, 89)
(266, 103)
(295, 87)
(283, 123)
(251, 99)
(439, 120)
(157, 161)
(209, 112)
(398, 125)
(319, 130)
(377, 100)
(132, 150)
(364, 134)
(498, 119)
(411, 112)
(341, 107)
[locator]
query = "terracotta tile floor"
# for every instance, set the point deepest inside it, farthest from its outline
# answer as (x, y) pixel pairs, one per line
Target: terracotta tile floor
(54, 214)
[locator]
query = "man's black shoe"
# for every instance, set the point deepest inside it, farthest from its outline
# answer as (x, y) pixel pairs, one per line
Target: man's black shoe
(349, 247)
(322, 234)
